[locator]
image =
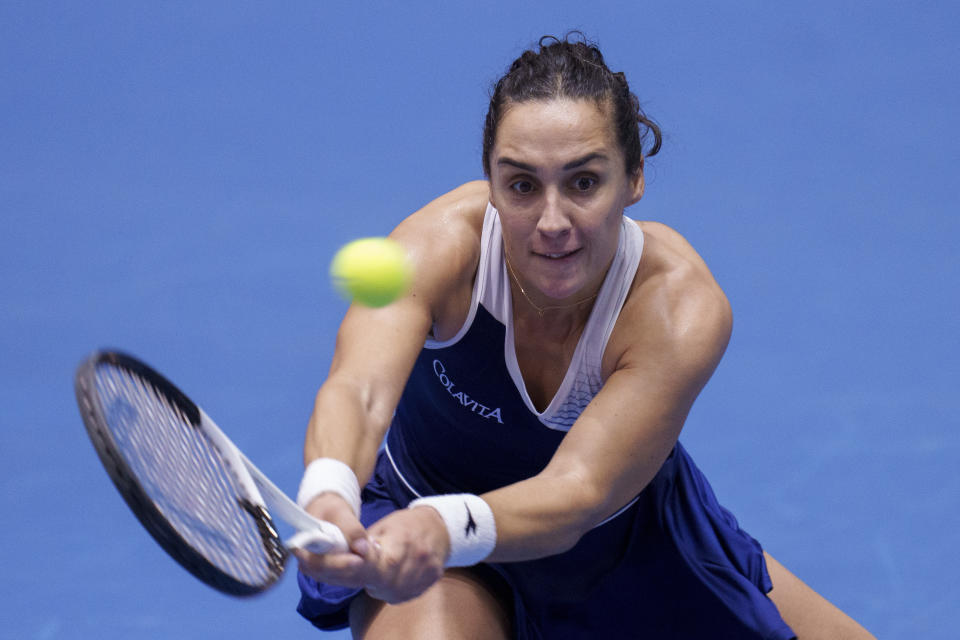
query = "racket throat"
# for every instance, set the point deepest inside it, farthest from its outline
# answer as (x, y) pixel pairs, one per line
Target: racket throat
(268, 533)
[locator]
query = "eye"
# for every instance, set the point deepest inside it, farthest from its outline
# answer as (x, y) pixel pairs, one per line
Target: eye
(584, 184)
(522, 187)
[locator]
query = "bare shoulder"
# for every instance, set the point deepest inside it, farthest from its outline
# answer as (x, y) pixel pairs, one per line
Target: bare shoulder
(467, 199)
(675, 310)
(443, 242)
(448, 223)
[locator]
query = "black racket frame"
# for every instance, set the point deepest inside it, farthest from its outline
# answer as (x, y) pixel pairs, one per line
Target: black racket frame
(137, 498)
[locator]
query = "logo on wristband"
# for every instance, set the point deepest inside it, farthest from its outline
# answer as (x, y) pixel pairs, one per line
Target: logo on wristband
(471, 523)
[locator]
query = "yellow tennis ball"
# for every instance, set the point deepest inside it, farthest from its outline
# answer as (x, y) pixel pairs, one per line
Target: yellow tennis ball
(371, 271)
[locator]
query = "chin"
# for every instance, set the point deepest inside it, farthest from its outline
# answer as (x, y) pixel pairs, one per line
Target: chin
(561, 290)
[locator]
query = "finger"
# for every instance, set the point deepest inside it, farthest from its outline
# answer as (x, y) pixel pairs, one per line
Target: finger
(333, 508)
(328, 561)
(346, 569)
(398, 575)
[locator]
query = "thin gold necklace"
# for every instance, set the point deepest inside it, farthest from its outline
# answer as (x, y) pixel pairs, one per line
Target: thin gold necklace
(541, 310)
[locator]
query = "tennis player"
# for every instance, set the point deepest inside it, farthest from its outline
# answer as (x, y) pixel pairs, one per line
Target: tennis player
(532, 387)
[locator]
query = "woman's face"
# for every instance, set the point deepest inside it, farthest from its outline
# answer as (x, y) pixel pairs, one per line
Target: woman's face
(558, 179)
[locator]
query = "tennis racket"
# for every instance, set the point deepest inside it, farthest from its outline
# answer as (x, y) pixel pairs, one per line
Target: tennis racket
(196, 493)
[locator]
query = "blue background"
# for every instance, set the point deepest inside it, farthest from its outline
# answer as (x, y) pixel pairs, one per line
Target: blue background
(174, 178)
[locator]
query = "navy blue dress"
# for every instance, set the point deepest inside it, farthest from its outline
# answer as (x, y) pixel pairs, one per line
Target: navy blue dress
(672, 563)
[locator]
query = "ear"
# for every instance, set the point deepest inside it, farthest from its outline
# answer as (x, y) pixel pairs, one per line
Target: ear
(636, 186)
(490, 197)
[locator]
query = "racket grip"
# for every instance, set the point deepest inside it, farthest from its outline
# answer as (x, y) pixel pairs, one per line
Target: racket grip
(329, 539)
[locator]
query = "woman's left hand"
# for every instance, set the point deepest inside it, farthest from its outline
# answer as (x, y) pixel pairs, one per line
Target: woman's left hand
(411, 548)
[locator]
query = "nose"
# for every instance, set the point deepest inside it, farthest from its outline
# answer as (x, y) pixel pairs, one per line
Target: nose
(554, 221)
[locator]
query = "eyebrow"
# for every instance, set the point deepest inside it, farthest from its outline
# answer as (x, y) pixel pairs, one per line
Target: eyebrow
(573, 164)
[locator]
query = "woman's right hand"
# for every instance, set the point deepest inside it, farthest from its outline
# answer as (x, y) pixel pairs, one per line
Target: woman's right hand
(348, 569)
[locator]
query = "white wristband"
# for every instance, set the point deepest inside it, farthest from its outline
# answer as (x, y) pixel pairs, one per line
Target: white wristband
(326, 474)
(469, 520)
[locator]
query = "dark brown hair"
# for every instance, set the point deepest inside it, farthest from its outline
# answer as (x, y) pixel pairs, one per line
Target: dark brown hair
(572, 68)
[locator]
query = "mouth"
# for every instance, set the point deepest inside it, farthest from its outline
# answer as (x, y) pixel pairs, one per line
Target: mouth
(556, 255)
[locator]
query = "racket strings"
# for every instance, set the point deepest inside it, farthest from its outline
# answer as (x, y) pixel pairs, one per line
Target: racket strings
(184, 475)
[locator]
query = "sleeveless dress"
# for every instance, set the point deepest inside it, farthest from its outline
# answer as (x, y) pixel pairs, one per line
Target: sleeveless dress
(671, 563)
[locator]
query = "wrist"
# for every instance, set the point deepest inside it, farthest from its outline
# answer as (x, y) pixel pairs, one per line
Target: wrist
(327, 475)
(470, 526)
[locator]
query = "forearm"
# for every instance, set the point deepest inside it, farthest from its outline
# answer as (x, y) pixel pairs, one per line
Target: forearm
(611, 453)
(348, 424)
(542, 516)
(584, 484)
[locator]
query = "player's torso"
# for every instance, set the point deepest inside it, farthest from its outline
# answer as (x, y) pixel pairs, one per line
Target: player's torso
(479, 389)
(462, 424)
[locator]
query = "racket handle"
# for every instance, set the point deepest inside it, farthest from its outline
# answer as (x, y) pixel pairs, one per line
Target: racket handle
(327, 540)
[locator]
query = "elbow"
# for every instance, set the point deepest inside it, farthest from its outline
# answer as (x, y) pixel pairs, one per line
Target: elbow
(587, 506)
(567, 540)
